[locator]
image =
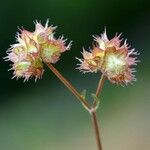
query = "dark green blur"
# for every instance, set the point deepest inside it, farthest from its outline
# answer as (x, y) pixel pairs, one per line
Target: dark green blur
(44, 115)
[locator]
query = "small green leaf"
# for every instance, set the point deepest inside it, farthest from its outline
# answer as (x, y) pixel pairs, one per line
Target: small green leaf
(83, 94)
(97, 99)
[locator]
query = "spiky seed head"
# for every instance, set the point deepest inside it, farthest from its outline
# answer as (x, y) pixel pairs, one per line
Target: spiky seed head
(42, 33)
(34, 48)
(27, 69)
(25, 57)
(52, 48)
(111, 58)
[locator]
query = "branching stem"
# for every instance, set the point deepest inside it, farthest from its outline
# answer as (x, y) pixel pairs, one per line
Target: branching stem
(83, 101)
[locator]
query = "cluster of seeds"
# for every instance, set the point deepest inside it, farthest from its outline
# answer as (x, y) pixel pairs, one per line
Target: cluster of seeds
(113, 59)
(34, 48)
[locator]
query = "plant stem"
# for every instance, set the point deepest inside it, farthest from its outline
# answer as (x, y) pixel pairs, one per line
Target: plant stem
(93, 113)
(82, 100)
(69, 86)
(96, 129)
(99, 87)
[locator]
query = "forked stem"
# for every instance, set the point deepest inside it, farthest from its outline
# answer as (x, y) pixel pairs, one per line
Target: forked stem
(82, 100)
(93, 113)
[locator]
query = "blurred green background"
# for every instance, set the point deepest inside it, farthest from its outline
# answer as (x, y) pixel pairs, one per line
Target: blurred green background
(44, 115)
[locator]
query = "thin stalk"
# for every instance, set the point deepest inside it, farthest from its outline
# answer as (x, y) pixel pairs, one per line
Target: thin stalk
(82, 100)
(99, 87)
(93, 113)
(96, 129)
(68, 85)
